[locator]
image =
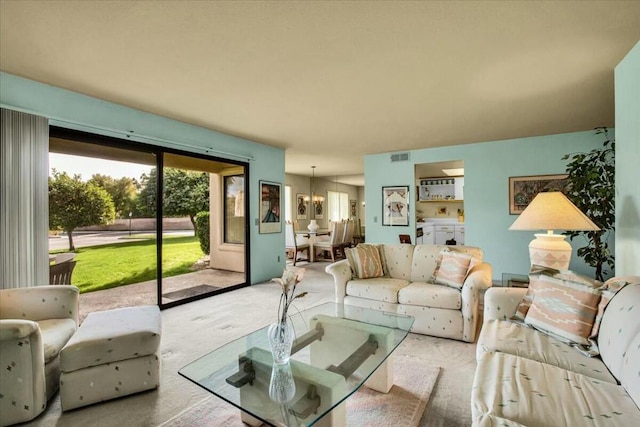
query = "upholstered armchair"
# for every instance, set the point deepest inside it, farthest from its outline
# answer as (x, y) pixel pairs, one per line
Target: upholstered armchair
(35, 323)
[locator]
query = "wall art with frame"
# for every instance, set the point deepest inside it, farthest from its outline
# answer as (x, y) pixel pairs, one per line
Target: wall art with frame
(395, 205)
(353, 208)
(270, 219)
(302, 206)
(522, 189)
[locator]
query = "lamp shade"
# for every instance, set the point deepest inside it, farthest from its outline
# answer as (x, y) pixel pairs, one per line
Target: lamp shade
(552, 211)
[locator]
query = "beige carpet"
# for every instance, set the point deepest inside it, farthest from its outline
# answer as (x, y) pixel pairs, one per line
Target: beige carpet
(402, 406)
(194, 329)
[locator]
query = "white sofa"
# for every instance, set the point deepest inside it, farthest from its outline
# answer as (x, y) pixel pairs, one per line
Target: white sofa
(406, 288)
(525, 377)
(35, 323)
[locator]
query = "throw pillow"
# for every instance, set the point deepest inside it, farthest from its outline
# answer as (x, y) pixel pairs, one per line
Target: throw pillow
(563, 304)
(610, 288)
(452, 269)
(364, 261)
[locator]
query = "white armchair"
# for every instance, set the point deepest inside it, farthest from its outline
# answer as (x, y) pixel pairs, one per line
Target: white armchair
(35, 323)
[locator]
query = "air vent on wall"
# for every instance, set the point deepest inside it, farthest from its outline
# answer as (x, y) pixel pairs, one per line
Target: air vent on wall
(400, 157)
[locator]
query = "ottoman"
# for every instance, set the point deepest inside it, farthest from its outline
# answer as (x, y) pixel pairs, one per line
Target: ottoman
(114, 353)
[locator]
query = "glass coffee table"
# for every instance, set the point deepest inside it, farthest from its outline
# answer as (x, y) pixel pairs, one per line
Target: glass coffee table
(338, 349)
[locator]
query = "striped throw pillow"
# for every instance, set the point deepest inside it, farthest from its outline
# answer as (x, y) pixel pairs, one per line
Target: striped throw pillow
(452, 269)
(365, 261)
(563, 304)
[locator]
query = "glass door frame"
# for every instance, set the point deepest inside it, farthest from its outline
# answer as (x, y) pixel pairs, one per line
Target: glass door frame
(159, 151)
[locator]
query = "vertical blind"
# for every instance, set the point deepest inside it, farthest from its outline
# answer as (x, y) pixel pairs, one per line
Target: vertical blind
(24, 200)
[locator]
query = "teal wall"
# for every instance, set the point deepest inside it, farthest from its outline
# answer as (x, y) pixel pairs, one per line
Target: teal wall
(487, 168)
(75, 111)
(627, 83)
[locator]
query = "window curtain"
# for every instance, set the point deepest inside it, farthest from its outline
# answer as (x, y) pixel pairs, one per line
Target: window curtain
(338, 205)
(24, 200)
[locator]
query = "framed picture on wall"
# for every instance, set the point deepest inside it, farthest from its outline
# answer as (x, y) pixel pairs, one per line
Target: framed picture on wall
(395, 205)
(522, 189)
(353, 208)
(318, 208)
(270, 220)
(302, 206)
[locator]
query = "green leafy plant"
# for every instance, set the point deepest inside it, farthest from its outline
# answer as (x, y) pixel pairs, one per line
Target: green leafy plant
(74, 203)
(202, 231)
(592, 190)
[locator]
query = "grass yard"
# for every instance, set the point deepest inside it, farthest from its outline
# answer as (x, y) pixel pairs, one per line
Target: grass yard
(118, 264)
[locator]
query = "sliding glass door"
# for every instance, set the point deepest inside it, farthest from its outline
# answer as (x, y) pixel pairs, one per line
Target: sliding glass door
(172, 227)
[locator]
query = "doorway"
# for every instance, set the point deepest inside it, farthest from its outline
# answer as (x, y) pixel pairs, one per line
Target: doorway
(170, 215)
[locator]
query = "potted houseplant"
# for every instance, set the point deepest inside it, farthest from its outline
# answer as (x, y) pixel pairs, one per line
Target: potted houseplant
(592, 189)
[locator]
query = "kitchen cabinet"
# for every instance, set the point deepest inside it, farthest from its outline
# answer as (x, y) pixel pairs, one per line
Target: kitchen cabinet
(425, 234)
(441, 189)
(449, 232)
(429, 236)
(444, 233)
(459, 231)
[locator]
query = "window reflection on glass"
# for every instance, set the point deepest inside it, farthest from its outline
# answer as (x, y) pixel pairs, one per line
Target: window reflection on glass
(234, 209)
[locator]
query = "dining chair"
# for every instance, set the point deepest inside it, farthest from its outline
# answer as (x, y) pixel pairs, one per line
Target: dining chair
(292, 244)
(334, 243)
(347, 240)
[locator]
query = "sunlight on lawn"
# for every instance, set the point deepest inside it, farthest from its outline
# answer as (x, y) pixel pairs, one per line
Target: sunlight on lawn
(109, 266)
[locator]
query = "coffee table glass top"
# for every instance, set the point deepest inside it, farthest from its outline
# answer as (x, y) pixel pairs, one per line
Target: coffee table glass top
(338, 347)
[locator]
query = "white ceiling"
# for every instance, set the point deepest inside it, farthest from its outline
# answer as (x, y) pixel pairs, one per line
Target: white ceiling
(332, 81)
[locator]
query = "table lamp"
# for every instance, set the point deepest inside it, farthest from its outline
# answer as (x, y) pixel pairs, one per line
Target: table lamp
(552, 211)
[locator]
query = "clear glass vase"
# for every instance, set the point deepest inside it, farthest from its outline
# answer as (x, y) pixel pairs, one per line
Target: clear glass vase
(281, 340)
(282, 388)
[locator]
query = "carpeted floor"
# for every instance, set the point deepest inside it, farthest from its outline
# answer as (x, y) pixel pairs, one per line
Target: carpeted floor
(194, 329)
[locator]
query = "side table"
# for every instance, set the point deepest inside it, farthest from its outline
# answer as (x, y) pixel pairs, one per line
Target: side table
(513, 280)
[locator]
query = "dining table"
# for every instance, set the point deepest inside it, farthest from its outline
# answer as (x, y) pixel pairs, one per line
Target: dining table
(312, 235)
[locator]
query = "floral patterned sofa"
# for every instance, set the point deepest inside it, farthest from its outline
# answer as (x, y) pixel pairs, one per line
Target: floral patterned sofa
(405, 283)
(535, 377)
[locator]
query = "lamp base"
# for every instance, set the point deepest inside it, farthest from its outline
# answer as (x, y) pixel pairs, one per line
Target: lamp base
(550, 250)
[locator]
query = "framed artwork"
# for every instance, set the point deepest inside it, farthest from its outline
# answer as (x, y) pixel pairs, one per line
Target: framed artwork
(270, 221)
(353, 210)
(522, 189)
(302, 206)
(318, 206)
(395, 205)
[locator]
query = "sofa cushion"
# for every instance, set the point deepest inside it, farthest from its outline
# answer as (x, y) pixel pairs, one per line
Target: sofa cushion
(365, 261)
(55, 334)
(437, 322)
(379, 289)
(452, 269)
(617, 331)
(520, 340)
(537, 394)
(564, 304)
(424, 262)
(430, 295)
(609, 290)
(630, 371)
(398, 259)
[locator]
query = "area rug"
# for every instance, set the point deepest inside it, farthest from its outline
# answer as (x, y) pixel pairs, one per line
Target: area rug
(402, 406)
(190, 292)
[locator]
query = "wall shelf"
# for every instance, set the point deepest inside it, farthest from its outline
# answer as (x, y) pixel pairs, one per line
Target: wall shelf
(442, 201)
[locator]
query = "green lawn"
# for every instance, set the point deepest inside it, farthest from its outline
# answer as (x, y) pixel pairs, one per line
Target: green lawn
(118, 264)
